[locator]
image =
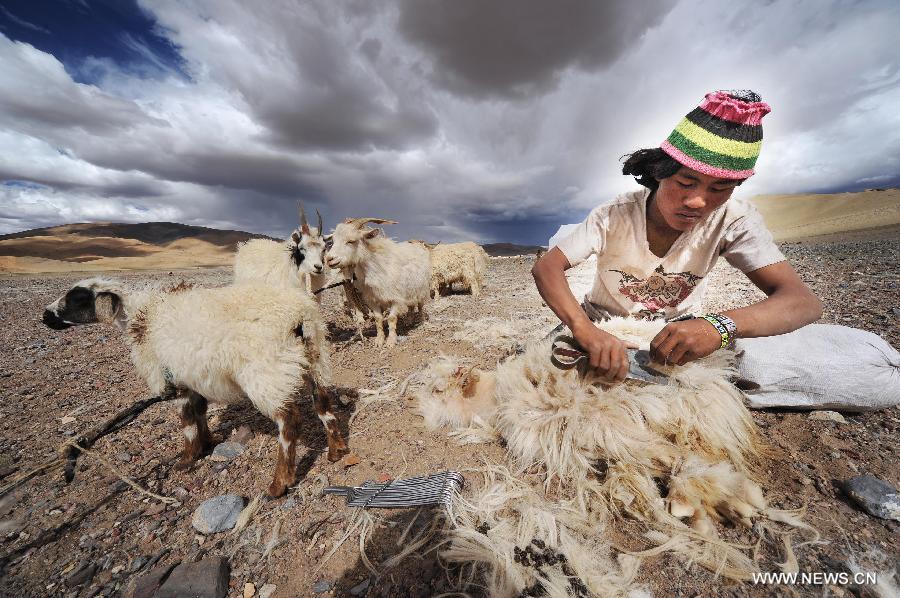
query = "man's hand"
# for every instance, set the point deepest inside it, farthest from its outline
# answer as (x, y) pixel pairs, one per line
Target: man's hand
(607, 352)
(681, 342)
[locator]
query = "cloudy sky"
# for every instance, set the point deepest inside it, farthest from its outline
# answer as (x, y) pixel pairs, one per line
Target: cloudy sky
(491, 120)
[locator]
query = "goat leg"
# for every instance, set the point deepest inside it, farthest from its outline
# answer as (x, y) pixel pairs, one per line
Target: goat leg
(337, 448)
(379, 326)
(288, 421)
(392, 326)
(194, 426)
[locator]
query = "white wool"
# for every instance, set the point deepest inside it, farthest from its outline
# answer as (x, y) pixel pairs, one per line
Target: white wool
(228, 344)
(506, 517)
(390, 277)
(607, 449)
(268, 262)
(462, 263)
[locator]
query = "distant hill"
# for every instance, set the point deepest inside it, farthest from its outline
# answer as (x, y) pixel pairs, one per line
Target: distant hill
(155, 233)
(807, 216)
(506, 249)
(117, 246)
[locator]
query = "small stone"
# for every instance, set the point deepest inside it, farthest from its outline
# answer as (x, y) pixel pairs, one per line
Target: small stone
(123, 457)
(82, 575)
(267, 590)
(242, 435)
(67, 420)
(207, 578)
(875, 496)
(137, 563)
(321, 586)
(117, 569)
(249, 590)
(217, 514)
(155, 509)
(145, 586)
(289, 504)
(12, 527)
(227, 451)
(350, 459)
(360, 589)
(833, 416)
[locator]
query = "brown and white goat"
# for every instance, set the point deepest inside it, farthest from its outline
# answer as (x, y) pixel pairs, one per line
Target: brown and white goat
(222, 345)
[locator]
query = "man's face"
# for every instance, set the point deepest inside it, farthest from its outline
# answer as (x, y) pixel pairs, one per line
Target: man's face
(688, 196)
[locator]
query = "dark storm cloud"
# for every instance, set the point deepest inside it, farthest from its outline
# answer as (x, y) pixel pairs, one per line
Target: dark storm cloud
(514, 49)
(493, 121)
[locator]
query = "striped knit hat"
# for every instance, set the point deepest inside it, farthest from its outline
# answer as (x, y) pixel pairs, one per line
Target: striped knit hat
(722, 136)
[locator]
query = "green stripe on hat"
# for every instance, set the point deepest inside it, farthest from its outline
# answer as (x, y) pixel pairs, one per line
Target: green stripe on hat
(709, 156)
(715, 143)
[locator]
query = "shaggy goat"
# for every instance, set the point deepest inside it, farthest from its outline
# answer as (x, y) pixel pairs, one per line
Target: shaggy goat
(224, 345)
(389, 276)
(608, 450)
(463, 263)
(299, 263)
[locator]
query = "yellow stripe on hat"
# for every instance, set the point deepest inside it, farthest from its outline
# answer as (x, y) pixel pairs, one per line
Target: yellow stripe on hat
(711, 141)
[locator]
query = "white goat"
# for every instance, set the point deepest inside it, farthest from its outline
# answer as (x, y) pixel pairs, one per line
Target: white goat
(297, 263)
(463, 263)
(225, 345)
(389, 276)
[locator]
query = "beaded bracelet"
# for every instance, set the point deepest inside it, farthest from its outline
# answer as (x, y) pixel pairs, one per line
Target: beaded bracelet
(725, 326)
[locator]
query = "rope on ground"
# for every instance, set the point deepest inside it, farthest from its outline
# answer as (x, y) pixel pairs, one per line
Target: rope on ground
(68, 451)
(164, 499)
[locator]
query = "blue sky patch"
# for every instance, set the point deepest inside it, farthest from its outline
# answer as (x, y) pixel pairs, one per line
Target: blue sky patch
(77, 30)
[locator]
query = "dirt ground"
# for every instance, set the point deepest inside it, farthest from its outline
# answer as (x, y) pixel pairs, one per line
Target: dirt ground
(56, 384)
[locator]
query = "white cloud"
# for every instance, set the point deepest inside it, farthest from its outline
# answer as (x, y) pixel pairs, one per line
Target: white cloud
(373, 109)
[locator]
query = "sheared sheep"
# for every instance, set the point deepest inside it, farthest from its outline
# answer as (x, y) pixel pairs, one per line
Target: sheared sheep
(224, 345)
(389, 276)
(462, 263)
(608, 450)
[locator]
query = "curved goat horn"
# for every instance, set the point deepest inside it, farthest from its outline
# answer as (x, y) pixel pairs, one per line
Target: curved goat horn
(321, 229)
(304, 225)
(361, 222)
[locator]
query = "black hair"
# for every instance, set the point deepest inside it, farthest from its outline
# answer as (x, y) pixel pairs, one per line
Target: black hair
(649, 166)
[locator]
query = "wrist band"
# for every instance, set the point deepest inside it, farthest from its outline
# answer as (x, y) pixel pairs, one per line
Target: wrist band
(732, 329)
(726, 328)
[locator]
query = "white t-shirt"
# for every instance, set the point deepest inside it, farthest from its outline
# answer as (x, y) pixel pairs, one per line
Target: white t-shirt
(631, 280)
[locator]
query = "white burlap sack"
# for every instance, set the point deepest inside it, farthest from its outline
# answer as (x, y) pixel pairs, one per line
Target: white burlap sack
(820, 366)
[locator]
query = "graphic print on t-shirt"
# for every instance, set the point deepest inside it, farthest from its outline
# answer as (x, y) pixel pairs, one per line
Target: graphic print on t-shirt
(661, 290)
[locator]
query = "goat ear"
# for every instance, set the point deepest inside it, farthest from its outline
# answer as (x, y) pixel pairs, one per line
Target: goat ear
(372, 233)
(295, 237)
(107, 306)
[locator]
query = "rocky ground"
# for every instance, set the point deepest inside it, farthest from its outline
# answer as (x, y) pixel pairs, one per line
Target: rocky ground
(100, 536)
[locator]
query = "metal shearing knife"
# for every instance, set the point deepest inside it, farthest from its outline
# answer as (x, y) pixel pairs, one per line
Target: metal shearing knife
(420, 491)
(566, 353)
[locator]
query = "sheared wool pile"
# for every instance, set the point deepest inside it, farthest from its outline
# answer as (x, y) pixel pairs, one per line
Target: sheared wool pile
(677, 458)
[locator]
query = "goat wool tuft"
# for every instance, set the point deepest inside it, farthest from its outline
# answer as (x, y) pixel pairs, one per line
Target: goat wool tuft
(680, 458)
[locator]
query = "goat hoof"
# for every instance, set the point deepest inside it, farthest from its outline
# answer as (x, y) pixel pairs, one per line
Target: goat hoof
(276, 489)
(336, 454)
(184, 464)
